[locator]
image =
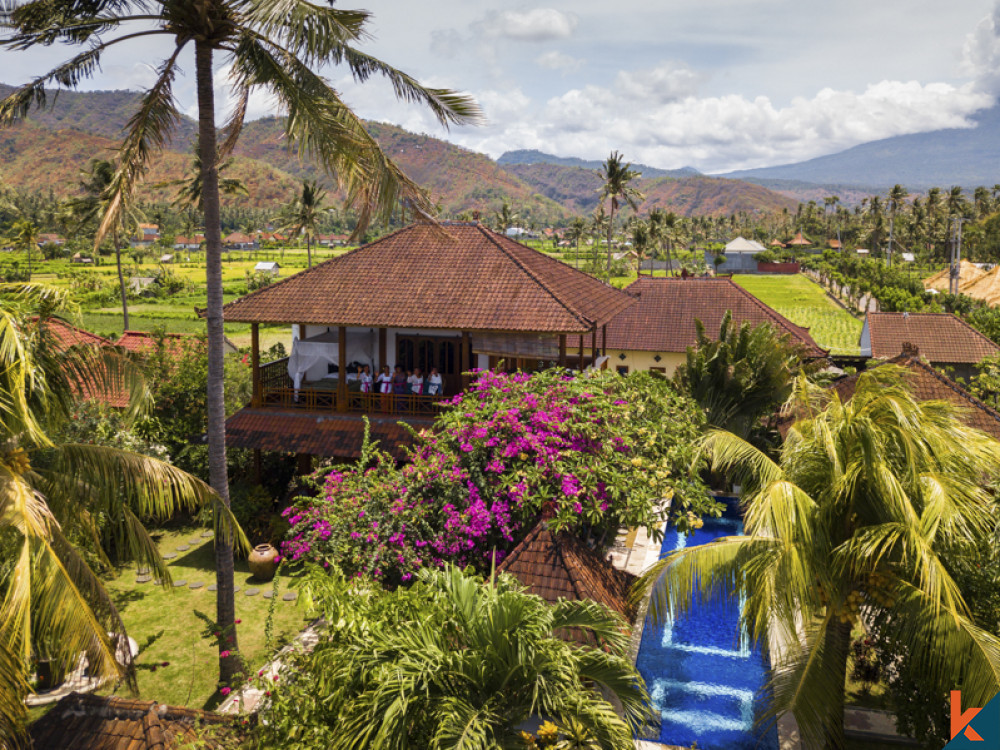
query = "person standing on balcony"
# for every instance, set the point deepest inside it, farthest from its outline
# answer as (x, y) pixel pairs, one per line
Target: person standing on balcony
(416, 381)
(399, 381)
(366, 379)
(384, 381)
(434, 383)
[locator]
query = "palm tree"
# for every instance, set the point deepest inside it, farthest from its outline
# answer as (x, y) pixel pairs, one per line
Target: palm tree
(269, 45)
(191, 189)
(301, 216)
(895, 198)
(599, 224)
(24, 234)
(89, 208)
(848, 523)
(617, 177)
(661, 226)
(641, 240)
(577, 228)
(482, 659)
(506, 217)
(55, 495)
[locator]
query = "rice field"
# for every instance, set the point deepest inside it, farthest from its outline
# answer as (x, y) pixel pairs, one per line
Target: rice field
(805, 303)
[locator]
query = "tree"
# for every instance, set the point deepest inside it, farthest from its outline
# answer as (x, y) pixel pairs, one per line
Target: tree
(270, 45)
(506, 217)
(301, 216)
(577, 228)
(191, 189)
(88, 209)
(617, 177)
(892, 203)
(641, 241)
(455, 662)
(24, 234)
(742, 376)
(55, 496)
(662, 225)
(850, 522)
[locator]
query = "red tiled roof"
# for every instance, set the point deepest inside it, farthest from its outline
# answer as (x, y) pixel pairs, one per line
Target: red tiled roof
(65, 335)
(560, 566)
(927, 384)
(663, 318)
(141, 342)
(457, 276)
(940, 337)
(333, 435)
(91, 722)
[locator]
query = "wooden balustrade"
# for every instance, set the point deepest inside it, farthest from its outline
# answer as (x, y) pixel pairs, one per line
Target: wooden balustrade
(284, 396)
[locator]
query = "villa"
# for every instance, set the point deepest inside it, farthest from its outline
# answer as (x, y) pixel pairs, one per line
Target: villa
(454, 297)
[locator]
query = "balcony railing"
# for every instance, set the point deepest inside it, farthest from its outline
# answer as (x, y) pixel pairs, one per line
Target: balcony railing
(277, 391)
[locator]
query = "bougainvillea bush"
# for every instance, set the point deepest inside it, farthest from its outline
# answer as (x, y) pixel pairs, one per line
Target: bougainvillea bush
(597, 452)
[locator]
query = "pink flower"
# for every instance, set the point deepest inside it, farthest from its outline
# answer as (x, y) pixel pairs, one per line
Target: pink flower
(225, 654)
(226, 691)
(238, 621)
(275, 678)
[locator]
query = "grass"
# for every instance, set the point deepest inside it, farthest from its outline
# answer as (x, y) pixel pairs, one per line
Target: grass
(167, 616)
(805, 303)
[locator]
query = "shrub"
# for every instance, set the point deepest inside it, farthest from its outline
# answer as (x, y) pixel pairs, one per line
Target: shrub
(599, 452)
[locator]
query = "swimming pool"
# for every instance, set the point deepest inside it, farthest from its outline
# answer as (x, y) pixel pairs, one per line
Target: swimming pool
(702, 673)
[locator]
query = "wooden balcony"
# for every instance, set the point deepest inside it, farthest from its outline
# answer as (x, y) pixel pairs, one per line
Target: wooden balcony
(276, 390)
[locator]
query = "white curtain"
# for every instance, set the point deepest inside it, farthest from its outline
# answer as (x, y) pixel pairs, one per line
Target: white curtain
(325, 348)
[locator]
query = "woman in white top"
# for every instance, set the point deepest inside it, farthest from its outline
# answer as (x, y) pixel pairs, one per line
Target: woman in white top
(434, 383)
(384, 380)
(366, 379)
(417, 382)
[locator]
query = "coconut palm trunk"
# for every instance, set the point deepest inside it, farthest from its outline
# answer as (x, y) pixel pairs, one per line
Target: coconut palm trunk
(229, 666)
(611, 229)
(121, 281)
(309, 256)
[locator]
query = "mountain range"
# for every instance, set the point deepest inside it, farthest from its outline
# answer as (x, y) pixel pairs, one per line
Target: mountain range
(48, 151)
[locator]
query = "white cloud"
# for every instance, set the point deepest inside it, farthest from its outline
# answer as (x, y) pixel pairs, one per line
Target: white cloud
(536, 25)
(555, 60)
(981, 53)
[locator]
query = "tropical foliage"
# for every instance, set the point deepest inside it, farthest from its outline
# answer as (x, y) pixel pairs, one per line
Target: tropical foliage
(66, 505)
(848, 529)
(600, 451)
(451, 662)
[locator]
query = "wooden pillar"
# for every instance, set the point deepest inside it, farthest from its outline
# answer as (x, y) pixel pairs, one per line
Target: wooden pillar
(604, 340)
(562, 349)
(580, 361)
(464, 359)
(256, 398)
(382, 343)
(342, 369)
(304, 463)
(256, 465)
(593, 344)
(302, 330)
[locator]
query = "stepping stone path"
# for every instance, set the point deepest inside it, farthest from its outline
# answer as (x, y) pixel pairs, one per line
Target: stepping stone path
(142, 571)
(157, 583)
(195, 542)
(178, 584)
(143, 579)
(170, 556)
(213, 587)
(183, 548)
(196, 585)
(236, 589)
(206, 535)
(252, 592)
(289, 597)
(269, 594)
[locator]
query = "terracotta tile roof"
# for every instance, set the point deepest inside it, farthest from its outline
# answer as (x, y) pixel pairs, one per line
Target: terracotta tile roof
(333, 435)
(458, 276)
(926, 384)
(560, 566)
(663, 318)
(63, 335)
(941, 337)
(91, 722)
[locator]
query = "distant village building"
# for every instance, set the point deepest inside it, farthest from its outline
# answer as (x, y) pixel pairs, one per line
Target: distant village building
(166, 258)
(240, 241)
(268, 267)
(139, 283)
(799, 241)
(79, 258)
(332, 240)
(146, 236)
(739, 256)
(188, 243)
(51, 239)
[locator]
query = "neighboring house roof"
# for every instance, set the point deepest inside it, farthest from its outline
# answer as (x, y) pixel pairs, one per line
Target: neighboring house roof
(663, 318)
(941, 337)
(927, 384)
(834, 244)
(798, 239)
(65, 335)
(142, 342)
(339, 435)
(238, 238)
(967, 274)
(457, 275)
(561, 566)
(266, 265)
(92, 722)
(196, 240)
(741, 245)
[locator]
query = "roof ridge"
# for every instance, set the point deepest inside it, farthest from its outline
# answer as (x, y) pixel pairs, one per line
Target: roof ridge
(531, 274)
(564, 544)
(953, 385)
(906, 315)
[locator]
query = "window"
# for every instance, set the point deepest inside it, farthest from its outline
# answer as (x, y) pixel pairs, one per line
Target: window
(622, 369)
(658, 369)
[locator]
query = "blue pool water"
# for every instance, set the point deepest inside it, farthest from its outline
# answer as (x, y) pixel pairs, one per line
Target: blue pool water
(702, 673)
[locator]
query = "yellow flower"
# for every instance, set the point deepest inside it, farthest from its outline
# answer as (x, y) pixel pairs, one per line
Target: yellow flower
(523, 456)
(637, 461)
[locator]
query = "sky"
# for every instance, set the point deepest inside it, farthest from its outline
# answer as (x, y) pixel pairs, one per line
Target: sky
(714, 84)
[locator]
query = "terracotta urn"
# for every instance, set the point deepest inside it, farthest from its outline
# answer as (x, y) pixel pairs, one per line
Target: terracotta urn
(263, 562)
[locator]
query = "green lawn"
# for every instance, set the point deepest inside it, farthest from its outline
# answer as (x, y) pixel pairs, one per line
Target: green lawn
(805, 303)
(169, 616)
